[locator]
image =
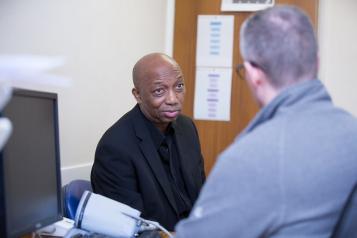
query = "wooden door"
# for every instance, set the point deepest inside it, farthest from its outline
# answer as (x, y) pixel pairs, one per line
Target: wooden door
(215, 136)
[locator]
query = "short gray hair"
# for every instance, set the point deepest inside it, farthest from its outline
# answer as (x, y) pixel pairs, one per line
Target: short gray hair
(281, 41)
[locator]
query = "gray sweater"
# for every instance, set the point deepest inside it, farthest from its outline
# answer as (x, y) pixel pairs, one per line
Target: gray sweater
(287, 175)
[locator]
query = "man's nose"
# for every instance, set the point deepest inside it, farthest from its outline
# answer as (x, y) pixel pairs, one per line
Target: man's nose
(171, 97)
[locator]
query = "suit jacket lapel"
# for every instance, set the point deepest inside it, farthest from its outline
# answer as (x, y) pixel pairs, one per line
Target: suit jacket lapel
(152, 157)
(186, 153)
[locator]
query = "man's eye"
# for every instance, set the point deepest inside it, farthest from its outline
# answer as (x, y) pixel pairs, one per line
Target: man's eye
(158, 91)
(180, 85)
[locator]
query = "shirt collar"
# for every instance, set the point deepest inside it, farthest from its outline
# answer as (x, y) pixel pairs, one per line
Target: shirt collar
(300, 93)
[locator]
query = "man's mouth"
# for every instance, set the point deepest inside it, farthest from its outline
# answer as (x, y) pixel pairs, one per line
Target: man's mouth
(171, 114)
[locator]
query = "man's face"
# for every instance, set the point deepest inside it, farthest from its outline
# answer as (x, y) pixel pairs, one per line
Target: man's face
(160, 93)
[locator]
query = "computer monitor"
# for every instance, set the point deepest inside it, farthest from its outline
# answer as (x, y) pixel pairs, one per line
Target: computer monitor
(30, 181)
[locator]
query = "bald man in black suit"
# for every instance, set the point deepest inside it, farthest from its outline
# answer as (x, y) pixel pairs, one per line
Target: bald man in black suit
(150, 159)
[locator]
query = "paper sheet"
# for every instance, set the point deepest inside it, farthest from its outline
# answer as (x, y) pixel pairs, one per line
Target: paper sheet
(214, 41)
(213, 94)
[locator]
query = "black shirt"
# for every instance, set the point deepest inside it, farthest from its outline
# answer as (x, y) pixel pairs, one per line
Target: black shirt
(166, 147)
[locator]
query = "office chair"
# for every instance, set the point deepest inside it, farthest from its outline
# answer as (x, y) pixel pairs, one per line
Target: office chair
(347, 223)
(72, 193)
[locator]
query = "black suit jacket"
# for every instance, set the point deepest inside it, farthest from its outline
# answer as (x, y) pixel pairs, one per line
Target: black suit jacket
(127, 167)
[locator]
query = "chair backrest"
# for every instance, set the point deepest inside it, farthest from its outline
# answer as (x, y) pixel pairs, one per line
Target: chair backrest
(347, 223)
(72, 193)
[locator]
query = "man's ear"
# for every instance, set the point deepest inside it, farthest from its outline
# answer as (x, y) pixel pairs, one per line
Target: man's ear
(136, 94)
(254, 75)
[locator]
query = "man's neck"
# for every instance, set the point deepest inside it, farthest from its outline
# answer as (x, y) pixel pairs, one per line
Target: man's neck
(268, 95)
(162, 127)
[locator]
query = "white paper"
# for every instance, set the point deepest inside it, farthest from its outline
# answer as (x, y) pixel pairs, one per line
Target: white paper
(214, 41)
(213, 94)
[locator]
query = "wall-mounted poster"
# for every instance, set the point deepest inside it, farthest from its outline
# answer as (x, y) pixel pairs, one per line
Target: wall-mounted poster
(213, 94)
(214, 54)
(214, 41)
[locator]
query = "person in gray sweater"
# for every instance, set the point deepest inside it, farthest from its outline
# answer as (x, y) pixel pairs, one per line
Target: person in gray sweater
(289, 173)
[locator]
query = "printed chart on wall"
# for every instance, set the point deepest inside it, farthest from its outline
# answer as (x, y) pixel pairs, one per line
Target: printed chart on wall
(214, 67)
(213, 102)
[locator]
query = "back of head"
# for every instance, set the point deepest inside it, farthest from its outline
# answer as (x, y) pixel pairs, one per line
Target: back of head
(281, 41)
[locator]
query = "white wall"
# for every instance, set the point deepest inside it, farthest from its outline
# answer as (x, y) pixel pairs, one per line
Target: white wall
(338, 51)
(101, 40)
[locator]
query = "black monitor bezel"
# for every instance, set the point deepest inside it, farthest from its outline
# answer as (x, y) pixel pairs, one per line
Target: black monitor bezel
(32, 227)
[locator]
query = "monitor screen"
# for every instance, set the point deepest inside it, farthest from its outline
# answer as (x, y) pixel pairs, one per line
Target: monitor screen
(31, 181)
